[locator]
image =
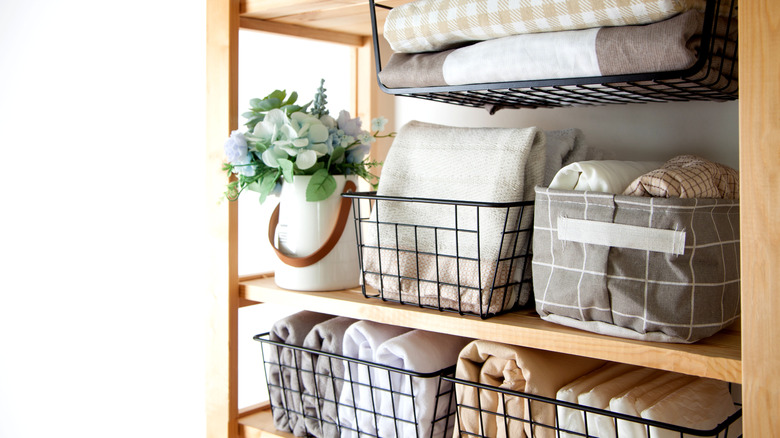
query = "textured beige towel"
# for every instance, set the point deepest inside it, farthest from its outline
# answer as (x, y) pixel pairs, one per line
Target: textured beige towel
(688, 176)
(466, 164)
(518, 369)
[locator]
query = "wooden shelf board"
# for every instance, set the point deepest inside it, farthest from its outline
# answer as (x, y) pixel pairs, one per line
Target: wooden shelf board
(259, 423)
(716, 357)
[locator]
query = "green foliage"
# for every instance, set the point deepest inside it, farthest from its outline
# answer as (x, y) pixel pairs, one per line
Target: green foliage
(276, 100)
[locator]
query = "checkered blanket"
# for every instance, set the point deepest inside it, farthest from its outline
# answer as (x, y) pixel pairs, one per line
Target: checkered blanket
(432, 25)
(637, 286)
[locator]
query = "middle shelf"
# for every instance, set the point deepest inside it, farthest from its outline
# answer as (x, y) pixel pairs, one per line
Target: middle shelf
(717, 357)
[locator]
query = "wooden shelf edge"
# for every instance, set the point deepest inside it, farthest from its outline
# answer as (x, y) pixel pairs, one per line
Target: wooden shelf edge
(717, 357)
(258, 422)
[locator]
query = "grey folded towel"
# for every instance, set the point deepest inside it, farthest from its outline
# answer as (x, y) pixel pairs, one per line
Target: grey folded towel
(322, 378)
(284, 385)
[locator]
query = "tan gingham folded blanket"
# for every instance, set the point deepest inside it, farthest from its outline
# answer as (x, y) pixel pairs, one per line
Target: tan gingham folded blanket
(688, 176)
(459, 164)
(433, 25)
(669, 45)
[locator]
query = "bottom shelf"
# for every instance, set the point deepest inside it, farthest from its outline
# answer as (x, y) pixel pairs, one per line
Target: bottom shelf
(717, 357)
(258, 422)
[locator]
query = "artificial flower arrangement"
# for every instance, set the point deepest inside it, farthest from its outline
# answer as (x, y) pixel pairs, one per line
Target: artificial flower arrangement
(283, 139)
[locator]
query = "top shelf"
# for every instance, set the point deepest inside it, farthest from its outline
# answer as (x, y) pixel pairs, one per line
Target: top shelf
(717, 357)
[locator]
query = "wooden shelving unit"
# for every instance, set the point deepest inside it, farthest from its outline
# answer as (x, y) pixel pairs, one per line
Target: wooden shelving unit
(749, 355)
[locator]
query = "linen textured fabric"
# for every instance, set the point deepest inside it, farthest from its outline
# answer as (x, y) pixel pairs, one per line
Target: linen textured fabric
(432, 25)
(284, 385)
(642, 396)
(635, 293)
(424, 259)
(572, 421)
(322, 378)
(701, 404)
(407, 400)
(527, 370)
(669, 45)
(687, 176)
(357, 402)
(607, 176)
(564, 147)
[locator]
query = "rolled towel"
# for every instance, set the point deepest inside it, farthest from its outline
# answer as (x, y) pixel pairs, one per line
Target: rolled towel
(701, 404)
(518, 369)
(466, 164)
(687, 176)
(357, 405)
(573, 420)
(640, 397)
(564, 147)
(608, 176)
(406, 399)
(284, 384)
(600, 396)
(322, 378)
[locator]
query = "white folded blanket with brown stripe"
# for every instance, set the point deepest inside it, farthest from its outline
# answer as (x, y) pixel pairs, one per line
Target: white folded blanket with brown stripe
(669, 45)
(452, 163)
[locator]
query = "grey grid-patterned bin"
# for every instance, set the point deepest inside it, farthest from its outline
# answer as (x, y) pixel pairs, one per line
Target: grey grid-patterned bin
(656, 269)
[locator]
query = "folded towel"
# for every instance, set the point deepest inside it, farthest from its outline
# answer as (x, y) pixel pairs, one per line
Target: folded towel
(642, 396)
(669, 45)
(518, 369)
(284, 384)
(573, 420)
(428, 25)
(701, 404)
(608, 176)
(687, 176)
(322, 378)
(427, 161)
(564, 147)
(357, 402)
(404, 399)
(600, 396)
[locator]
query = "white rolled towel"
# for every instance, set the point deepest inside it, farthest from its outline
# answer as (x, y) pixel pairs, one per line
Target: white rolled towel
(422, 352)
(701, 404)
(357, 402)
(608, 176)
(573, 420)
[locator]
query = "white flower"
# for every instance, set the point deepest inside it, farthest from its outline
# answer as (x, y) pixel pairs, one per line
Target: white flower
(378, 124)
(306, 159)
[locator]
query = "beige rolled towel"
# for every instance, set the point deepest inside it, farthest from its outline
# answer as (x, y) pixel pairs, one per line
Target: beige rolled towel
(518, 369)
(687, 176)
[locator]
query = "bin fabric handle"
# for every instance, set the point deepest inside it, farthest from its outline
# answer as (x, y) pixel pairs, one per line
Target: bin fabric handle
(621, 236)
(330, 242)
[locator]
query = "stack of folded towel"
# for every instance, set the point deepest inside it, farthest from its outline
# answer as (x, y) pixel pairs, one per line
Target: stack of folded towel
(459, 164)
(454, 42)
(667, 397)
(323, 395)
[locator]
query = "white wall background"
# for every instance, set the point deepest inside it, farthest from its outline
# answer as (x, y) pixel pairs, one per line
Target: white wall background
(102, 132)
(102, 112)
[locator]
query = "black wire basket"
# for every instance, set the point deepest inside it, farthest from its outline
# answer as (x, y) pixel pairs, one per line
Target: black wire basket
(510, 417)
(458, 256)
(315, 393)
(713, 77)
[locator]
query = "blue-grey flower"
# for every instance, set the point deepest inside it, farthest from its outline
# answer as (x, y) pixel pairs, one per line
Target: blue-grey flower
(236, 147)
(378, 124)
(349, 125)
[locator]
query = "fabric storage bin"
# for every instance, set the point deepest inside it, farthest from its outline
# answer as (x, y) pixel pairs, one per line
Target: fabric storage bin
(517, 412)
(656, 269)
(472, 257)
(313, 391)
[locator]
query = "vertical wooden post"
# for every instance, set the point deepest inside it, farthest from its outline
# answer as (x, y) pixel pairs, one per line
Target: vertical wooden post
(759, 132)
(222, 117)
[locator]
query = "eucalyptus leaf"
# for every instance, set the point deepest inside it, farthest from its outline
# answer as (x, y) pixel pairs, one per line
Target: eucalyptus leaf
(255, 103)
(291, 100)
(287, 169)
(338, 152)
(278, 95)
(267, 184)
(321, 185)
(269, 104)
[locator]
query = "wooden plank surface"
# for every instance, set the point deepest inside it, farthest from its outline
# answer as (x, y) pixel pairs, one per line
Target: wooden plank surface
(222, 117)
(759, 112)
(716, 357)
